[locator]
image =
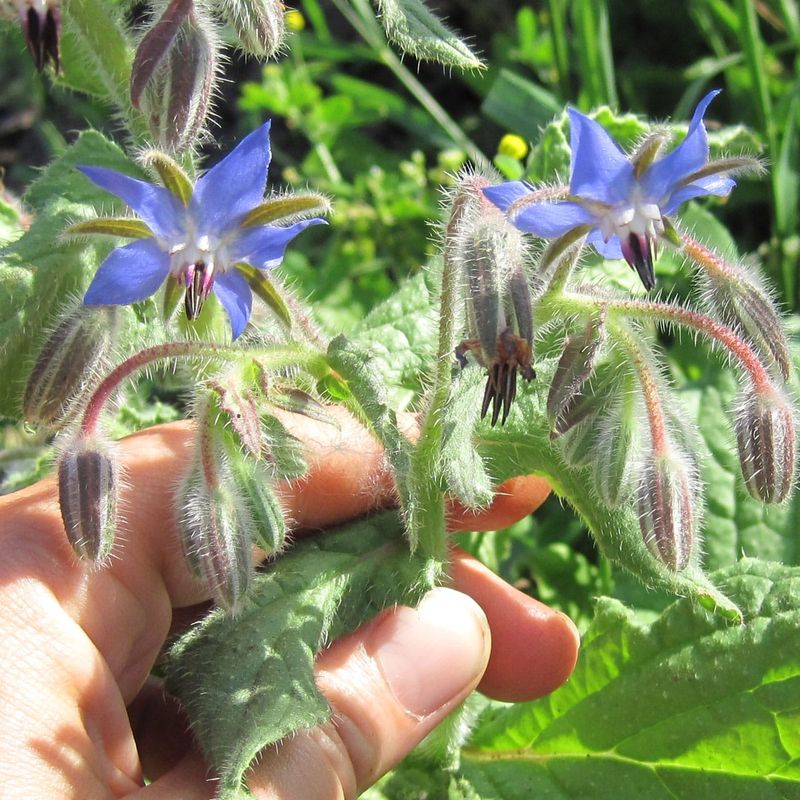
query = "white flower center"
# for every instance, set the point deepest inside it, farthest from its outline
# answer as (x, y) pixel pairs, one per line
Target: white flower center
(638, 217)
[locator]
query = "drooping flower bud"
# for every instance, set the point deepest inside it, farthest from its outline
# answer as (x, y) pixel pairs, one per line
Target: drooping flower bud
(574, 367)
(215, 531)
(87, 494)
(68, 362)
(666, 503)
(259, 24)
(766, 439)
(174, 74)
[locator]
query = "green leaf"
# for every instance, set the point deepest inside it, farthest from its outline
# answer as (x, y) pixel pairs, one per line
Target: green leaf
(400, 334)
(685, 707)
(40, 272)
(247, 681)
(415, 30)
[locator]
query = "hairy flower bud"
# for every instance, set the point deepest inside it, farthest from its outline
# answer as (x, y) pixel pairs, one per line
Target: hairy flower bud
(215, 530)
(87, 494)
(68, 362)
(253, 483)
(766, 439)
(259, 24)
(665, 500)
(174, 75)
(574, 368)
(617, 446)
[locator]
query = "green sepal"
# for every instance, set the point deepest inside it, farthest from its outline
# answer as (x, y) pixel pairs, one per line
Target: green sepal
(254, 484)
(171, 174)
(247, 681)
(297, 401)
(287, 207)
(284, 453)
(265, 290)
(126, 227)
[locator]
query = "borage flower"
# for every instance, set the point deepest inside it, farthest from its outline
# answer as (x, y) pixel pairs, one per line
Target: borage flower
(622, 200)
(207, 238)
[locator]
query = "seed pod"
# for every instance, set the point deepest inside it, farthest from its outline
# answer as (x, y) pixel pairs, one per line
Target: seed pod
(574, 368)
(176, 94)
(259, 24)
(67, 363)
(766, 439)
(665, 500)
(87, 495)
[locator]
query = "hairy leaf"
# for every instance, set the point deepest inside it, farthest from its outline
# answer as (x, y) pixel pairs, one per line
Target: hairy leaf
(686, 707)
(415, 30)
(247, 681)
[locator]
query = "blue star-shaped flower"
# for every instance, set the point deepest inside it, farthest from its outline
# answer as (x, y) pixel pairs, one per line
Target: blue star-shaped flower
(201, 242)
(623, 200)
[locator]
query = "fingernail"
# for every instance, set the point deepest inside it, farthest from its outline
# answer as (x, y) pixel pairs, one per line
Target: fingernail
(433, 653)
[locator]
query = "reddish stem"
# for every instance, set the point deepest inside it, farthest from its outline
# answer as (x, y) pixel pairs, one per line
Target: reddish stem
(91, 415)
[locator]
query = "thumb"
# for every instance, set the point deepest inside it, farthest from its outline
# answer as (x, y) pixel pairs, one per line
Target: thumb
(389, 684)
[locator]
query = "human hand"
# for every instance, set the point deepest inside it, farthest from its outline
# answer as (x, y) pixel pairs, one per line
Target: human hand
(83, 720)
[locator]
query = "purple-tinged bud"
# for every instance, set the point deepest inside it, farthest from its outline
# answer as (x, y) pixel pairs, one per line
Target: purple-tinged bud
(666, 502)
(766, 439)
(259, 24)
(87, 494)
(174, 84)
(574, 368)
(215, 532)
(68, 364)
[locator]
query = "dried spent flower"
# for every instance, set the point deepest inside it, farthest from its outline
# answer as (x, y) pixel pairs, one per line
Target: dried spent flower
(62, 372)
(88, 483)
(766, 439)
(491, 255)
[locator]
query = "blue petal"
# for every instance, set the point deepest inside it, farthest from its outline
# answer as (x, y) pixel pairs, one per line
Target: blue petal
(504, 195)
(264, 246)
(129, 274)
(689, 156)
(234, 186)
(600, 170)
(610, 249)
(234, 293)
(549, 220)
(156, 206)
(717, 185)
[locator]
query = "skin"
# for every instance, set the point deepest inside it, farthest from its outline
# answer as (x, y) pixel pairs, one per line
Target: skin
(83, 719)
